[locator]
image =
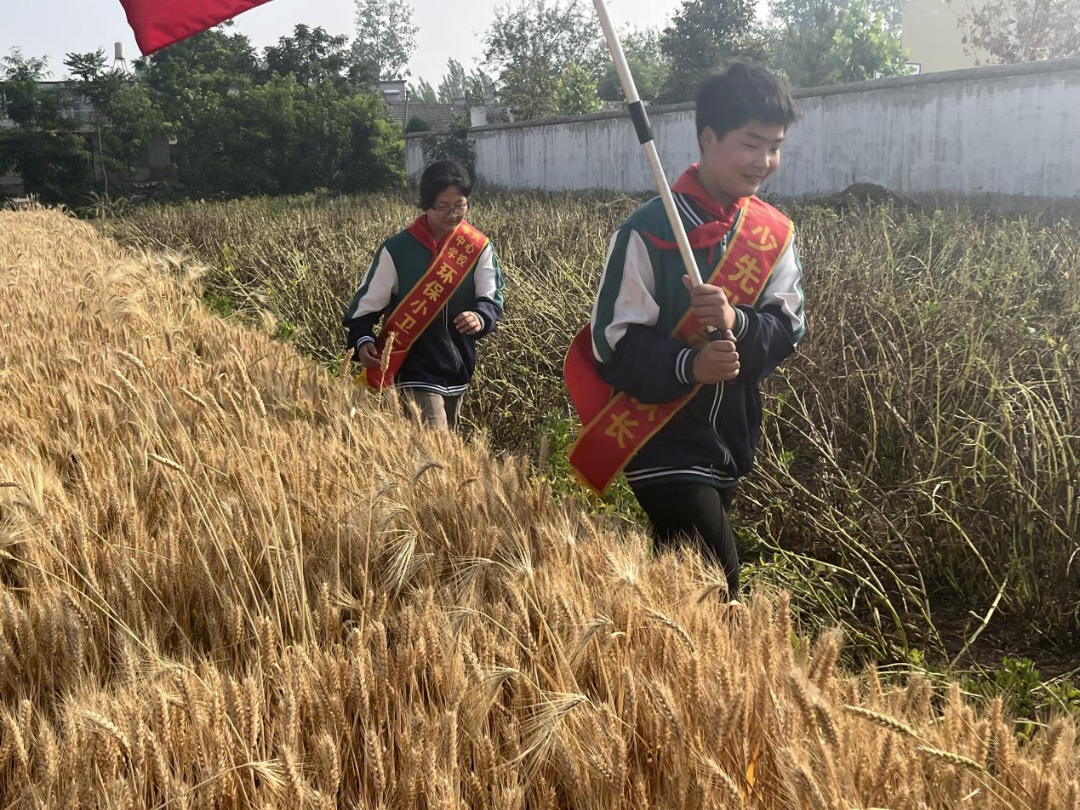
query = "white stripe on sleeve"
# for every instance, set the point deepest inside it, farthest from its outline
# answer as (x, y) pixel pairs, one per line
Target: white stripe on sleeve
(486, 276)
(784, 289)
(636, 302)
(381, 281)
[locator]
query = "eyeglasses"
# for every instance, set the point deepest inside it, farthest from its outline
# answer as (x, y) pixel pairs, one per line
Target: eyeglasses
(446, 210)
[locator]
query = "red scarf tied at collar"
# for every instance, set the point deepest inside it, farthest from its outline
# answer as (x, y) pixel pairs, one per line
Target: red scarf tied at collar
(421, 231)
(708, 234)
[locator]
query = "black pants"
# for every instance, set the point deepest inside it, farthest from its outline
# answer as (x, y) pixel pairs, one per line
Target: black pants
(698, 513)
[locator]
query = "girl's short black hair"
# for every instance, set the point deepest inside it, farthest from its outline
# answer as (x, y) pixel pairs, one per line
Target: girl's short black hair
(439, 176)
(741, 94)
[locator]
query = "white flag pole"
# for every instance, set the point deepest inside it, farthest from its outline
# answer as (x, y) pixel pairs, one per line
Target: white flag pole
(645, 136)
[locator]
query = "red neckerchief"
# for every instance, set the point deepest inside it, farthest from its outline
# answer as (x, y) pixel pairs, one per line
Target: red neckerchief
(422, 233)
(708, 234)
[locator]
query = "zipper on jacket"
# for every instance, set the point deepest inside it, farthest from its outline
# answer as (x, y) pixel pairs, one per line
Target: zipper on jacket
(450, 338)
(714, 415)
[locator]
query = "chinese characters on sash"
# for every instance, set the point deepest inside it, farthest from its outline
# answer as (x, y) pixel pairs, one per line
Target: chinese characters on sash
(417, 309)
(614, 433)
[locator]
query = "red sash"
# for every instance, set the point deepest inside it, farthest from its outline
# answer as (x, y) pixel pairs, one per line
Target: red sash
(617, 426)
(418, 309)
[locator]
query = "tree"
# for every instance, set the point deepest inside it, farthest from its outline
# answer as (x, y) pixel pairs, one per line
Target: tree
(477, 88)
(648, 65)
(891, 11)
(532, 46)
(385, 37)
(311, 55)
(219, 59)
(1010, 31)
(196, 84)
(864, 48)
(417, 124)
(376, 156)
(125, 119)
(243, 128)
(480, 89)
(43, 146)
(705, 34)
(453, 85)
(425, 92)
(455, 145)
(289, 123)
(577, 91)
(818, 42)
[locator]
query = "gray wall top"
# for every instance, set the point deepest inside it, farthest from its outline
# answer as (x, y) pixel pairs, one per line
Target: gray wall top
(944, 77)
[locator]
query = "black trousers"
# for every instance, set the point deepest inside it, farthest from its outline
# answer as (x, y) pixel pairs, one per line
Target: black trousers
(698, 513)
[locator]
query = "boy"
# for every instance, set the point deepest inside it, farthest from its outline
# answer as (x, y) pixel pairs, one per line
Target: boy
(685, 426)
(441, 282)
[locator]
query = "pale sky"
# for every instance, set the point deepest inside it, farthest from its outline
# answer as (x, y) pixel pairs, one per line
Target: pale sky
(447, 29)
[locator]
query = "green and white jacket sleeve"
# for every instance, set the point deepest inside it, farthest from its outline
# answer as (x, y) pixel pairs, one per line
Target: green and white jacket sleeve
(632, 354)
(768, 331)
(377, 289)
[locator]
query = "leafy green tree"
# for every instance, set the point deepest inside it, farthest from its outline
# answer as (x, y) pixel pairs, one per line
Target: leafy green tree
(648, 65)
(417, 124)
(477, 88)
(290, 122)
(864, 47)
(125, 119)
(819, 42)
(197, 83)
(531, 47)
(425, 92)
(891, 11)
(577, 91)
(480, 89)
(242, 128)
(220, 61)
(454, 83)
(312, 55)
(280, 137)
(703, 35)
(803, 39)
(43, 146)
(385, 37)
(376, 148)
(454, 145)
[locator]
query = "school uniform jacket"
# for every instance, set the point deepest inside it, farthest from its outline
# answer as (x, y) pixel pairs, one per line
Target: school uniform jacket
(442, 360)
(640, 301)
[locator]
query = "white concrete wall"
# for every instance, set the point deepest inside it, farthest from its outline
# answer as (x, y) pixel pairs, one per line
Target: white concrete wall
(987, 132)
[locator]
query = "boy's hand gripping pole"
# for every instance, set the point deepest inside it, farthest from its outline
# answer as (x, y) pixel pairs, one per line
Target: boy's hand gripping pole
(645, 136)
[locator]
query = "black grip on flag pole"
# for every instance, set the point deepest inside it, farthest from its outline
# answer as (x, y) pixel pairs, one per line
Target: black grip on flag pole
(645, 135)
(641, 122)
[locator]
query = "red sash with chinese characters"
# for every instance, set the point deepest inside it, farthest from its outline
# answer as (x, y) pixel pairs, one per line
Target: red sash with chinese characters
(416, 311)
(617, 426)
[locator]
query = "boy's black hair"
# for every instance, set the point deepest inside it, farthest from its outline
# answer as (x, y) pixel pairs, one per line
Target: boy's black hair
(741, 94)
(438, 177)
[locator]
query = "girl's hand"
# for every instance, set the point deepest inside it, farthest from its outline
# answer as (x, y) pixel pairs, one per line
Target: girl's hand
(368, 355)
(469, 323)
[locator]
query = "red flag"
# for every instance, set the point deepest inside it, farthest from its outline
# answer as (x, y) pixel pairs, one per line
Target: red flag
(160, 23)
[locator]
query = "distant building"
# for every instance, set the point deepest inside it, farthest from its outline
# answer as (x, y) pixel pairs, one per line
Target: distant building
(403, 107)
(393, 90)
(932, 34)
(77, 106)
(491, 114)
(156, 162)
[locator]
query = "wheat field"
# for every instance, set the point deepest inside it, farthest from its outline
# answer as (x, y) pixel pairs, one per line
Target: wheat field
(228, 579)
(916, 474)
